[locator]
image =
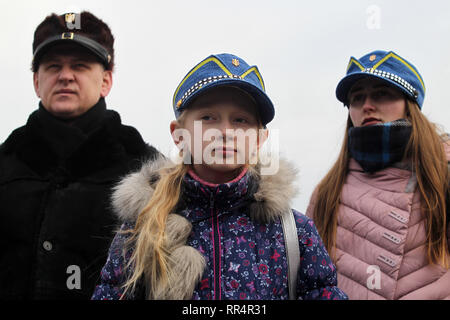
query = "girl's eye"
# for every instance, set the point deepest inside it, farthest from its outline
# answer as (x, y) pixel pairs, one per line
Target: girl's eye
(241, 120)
(385, 95)
(357, 98)
(206, 118)
(380, 94)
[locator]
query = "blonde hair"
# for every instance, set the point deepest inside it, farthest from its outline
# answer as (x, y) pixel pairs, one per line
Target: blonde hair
(150, 258)
(425, 150)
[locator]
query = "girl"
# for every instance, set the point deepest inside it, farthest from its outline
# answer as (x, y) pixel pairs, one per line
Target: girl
(209, 228)
(381, 209)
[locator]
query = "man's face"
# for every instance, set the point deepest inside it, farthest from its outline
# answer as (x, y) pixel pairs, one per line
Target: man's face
(70, 81)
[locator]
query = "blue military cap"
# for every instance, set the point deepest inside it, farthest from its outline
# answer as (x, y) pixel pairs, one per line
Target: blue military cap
(387, 66)
(219, 70)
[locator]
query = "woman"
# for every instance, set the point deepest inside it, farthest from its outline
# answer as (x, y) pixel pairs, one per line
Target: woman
(381, 209)
(226, 240)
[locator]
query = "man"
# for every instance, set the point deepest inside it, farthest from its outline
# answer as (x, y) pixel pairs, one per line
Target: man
(56, 172)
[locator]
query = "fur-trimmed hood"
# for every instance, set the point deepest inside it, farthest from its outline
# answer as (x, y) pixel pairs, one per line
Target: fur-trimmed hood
(266, 195)
(272, 196)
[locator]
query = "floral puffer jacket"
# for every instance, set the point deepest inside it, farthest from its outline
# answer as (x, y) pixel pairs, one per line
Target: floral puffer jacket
(237, 230)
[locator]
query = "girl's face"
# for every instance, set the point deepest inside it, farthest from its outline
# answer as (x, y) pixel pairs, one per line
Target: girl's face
(373, 101)
(221, 131)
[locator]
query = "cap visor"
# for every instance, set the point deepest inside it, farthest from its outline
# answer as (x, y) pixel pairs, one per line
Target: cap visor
(344, 86)
(90, 45)
(264, 104)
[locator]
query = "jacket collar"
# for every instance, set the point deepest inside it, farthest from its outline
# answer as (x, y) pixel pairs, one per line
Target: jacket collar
(92, 143)
(64, 137)
(267, 196)
(215, 198)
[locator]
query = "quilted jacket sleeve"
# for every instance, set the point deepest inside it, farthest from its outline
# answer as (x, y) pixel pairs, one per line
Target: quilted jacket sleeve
(317, 277)
(113, 274)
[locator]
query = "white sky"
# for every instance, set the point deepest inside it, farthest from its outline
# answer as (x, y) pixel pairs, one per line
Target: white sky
(301, 48)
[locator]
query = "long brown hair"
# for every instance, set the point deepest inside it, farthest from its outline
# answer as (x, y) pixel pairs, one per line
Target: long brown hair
(425, 150)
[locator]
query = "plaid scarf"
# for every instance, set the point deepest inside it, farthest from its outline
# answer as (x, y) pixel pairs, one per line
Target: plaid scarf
(378, 146)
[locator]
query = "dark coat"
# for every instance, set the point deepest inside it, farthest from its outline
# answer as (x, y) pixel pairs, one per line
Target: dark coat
(55, 181)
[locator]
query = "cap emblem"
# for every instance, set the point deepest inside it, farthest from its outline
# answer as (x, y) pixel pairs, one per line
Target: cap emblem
(235, 62)
(70, 18)
(67, 35)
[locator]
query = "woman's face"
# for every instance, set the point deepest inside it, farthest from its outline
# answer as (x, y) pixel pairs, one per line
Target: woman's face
(373, 101)
(221, 132)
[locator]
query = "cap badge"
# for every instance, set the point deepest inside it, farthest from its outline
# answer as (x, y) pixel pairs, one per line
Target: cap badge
(67, 35)
(372, 57)
(235, 62)
(70, 17)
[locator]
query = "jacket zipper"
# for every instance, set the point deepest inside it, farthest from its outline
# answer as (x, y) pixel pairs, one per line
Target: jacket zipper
(216, 250)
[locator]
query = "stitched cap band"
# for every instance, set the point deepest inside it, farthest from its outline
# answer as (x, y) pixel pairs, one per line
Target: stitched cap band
(386, 66)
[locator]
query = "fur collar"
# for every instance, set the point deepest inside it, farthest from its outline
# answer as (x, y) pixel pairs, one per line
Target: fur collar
(273, 195)
(47, 145)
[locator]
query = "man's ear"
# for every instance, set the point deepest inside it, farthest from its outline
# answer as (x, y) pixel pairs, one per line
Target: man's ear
(106, 83)
(36, 84)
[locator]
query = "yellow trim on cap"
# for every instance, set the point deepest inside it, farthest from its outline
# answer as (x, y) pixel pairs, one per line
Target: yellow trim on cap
(246, 73)
(393, 55)
(201, 64)
(352, 60)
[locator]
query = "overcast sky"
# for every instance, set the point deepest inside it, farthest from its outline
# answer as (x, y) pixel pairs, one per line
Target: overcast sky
(300, 47)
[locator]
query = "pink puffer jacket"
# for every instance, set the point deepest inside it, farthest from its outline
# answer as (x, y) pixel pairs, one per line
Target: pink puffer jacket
(381, 238)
